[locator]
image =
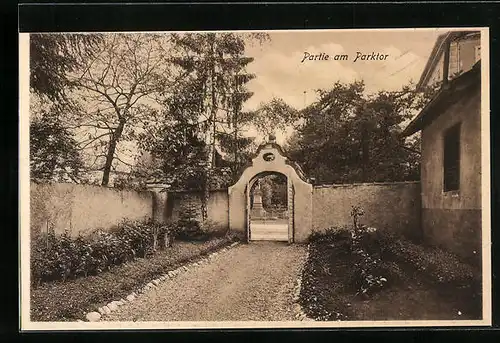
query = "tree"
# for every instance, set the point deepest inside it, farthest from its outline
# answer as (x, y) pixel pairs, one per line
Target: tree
(182, 155)
(118, 87)
(274, 115)
(53, 57)
(54, 154)
(53, 150)
(274, 191)
(209, 99)
(232, 140)
(217, 66)
(347, 136)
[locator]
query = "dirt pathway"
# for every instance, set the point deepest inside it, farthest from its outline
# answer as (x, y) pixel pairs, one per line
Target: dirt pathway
(249, 282)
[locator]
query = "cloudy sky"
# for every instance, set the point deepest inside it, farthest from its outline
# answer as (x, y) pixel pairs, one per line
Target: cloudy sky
(281, 73)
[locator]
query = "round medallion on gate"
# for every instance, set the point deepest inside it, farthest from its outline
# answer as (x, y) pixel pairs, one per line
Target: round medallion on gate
(268, 157)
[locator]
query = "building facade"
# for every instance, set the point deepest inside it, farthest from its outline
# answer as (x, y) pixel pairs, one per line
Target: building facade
(450, 127)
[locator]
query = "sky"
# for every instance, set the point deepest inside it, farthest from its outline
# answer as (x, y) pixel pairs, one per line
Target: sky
(281, 73)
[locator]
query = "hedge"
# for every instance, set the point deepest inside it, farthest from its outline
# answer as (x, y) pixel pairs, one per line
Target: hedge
(62, 257)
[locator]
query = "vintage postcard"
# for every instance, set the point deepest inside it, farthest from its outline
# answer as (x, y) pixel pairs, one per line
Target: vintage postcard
(255, 179)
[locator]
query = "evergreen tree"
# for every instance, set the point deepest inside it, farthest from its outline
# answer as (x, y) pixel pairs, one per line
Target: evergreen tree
(214, 93)
(53, 57)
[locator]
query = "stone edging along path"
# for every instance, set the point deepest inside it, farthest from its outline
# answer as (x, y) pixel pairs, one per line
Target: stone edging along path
(113, 305)
(299, 313)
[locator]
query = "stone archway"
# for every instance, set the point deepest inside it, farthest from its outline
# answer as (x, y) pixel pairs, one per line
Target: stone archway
(271, 159)
(268, 224)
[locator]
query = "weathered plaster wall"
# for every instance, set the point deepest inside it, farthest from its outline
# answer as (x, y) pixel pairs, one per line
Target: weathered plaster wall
(83, 208)
(453, 219)
(387, 206)
(217, 206)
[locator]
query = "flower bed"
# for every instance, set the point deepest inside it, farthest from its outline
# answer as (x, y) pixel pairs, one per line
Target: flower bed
(357, 270)
(440, 266)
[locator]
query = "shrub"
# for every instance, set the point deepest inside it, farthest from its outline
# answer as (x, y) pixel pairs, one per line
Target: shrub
(53, 257)
(169, 232)
(69, 300)
(189, 226)
(441, 266)
(85, 261)
(395, 275)
(45, 262)
(381, 258)
(232, 236)
(106, 250)
(59, 257)
(213, 229)
(330, 234)
(138, 236)
(368, 276)
(367, 273)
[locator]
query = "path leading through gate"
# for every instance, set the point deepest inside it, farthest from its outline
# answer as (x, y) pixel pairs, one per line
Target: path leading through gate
(272, 230)
(251, 282)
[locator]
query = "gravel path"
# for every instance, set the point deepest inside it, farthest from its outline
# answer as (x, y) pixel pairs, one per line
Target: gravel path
(249, 282)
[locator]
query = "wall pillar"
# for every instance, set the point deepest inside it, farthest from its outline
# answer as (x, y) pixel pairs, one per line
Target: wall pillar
(159, 202)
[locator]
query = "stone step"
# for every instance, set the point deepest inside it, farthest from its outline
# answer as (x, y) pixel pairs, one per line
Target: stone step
(258, 235)
(268, 229)
(268, 232)
(277, 239)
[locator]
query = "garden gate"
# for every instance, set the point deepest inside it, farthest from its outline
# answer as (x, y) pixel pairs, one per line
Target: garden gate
(270, 159)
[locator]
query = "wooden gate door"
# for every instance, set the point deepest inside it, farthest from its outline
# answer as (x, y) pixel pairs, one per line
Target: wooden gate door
(247, 212)
(290, 197)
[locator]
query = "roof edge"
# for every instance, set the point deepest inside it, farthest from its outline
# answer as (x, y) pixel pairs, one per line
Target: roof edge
(416, 124)
(437, 51)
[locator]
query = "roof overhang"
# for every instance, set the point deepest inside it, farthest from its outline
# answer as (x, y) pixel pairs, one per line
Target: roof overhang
(446, 96)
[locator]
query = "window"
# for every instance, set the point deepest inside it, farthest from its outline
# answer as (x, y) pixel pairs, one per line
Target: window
(452, 159)
(477, 53)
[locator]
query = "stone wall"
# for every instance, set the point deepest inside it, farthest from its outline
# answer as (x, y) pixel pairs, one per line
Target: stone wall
(388, 206)
(83, 208)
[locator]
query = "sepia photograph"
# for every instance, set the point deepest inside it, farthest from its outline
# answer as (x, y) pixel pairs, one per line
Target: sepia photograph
(255, 179)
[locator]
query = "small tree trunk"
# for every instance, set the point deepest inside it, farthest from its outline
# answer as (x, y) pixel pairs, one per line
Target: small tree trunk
(213, 117)
(165, 241)
(115, 137)
(205, 196)
(155, 241)
(168, 240)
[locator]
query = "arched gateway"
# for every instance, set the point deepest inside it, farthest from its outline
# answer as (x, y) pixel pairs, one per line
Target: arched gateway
(270, 159)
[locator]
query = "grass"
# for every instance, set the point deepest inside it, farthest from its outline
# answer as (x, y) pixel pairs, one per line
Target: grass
(424, 283)
(71, 300)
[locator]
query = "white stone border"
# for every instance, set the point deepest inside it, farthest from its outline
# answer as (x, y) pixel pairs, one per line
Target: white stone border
(299, 313)
(112, 306)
